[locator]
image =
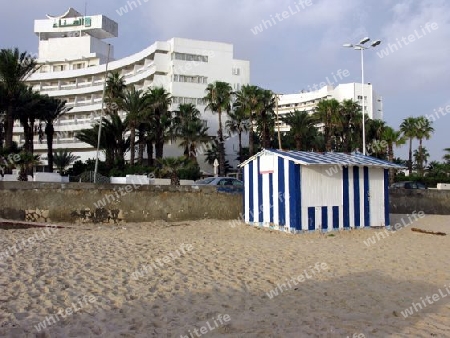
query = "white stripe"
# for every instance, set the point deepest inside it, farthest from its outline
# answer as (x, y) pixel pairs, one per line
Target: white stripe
(276, 219)
(255, 192)
(361, 196)
(330, 218)
(266, 199)
(351, 197)
(247, 193)
(286, 192)
(318, 216)
(341, 217)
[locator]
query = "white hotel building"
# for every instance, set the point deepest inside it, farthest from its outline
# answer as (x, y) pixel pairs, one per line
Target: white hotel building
(73, 57)
(307, 101)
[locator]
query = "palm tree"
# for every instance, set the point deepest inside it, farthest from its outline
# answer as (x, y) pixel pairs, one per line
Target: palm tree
(188, 126)
(26, 163)
(421, 156)
(300, 124)
(171, 166)
(237, 124)
(247, 99)
(115, 87)
(350, 125)
(327, 112)
(63, 158)
(15, 67)
(392, 138)
(446, 157)
(374, 132)
(134, 102)
(218, 98)
(112, 140)
(409, 129)
(54, 108)
(424, 131)
(265, 117)
(159, 101)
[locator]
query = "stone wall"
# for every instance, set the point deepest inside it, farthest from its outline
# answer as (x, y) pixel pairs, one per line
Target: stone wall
(110, 203)
(430, 201)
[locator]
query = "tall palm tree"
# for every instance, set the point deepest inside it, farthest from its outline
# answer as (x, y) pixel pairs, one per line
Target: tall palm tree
(421, 156)
(265, 117)
(446, 157)
(63, 158)
(327, 112)
(300, 124)
(247, 99)
(188, 126)
(54, 108)
(134, 102)
(218, 98)
(392, 138)
(15, 67)
(115, 88)
(374, 131)
(159, 101)
(424, 131)
(350, 125)
(409, 129)
(237, 124)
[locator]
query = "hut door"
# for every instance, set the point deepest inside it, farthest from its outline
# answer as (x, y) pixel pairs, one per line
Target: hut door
(376, 197)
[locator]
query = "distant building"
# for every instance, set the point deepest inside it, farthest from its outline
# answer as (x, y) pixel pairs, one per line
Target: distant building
(307, 101)
(73, 57)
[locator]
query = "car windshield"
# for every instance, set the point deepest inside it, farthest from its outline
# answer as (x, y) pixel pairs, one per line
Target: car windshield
(206, 180)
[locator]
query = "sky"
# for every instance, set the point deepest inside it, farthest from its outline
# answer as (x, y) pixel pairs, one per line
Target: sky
(291, 44)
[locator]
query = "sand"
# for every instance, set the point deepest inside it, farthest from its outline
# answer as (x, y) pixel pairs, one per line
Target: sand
(208, 270)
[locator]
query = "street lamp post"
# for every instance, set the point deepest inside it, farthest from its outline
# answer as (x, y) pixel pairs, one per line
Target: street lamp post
(360, 46)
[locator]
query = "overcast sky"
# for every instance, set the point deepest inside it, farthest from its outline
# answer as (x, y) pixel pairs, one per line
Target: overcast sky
(302, 48)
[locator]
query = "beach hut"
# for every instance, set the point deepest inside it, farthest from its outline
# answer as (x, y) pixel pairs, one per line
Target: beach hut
(299, 191)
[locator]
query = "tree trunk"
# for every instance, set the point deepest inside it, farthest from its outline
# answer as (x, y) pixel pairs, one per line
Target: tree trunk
(141, 145)
(410, 157)
(298, 142)
(240, 146)
(9, 125)
(420, 159)
(391, 158)
(250, 136)
(132, 143)
(49, 131)
(150, 161)
(221, 147)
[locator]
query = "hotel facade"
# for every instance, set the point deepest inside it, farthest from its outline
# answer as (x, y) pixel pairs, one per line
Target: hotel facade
(73, 58)
(307, 101)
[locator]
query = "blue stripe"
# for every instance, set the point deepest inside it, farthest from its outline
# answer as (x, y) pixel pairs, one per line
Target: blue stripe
(271, 197)
(260, 193)
(324, 218)
(387, 221)
(311, 218)
(251, 219)
(294, 193)
(366, 198)
(335, 217)
(346, 198)
(282, 197)
(357, 198)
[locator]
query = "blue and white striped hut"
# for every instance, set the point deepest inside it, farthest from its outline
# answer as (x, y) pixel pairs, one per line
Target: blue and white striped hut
(297, 191)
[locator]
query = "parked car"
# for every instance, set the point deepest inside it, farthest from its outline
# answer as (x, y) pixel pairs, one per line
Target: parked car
(408, 185)
(224, 184)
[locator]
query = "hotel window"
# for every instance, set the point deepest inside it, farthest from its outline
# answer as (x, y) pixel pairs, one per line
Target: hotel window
(59, 68)
(189, 57)
(236, 71)
(78, 65)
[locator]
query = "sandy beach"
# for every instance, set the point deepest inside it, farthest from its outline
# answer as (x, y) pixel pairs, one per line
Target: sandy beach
(208, 279)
